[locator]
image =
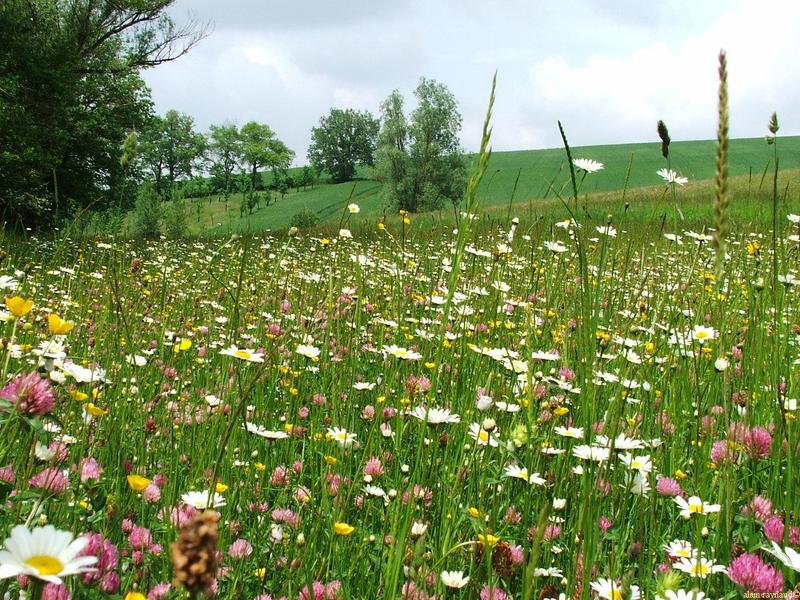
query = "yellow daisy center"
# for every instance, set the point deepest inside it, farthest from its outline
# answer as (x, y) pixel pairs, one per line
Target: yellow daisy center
(700, 569)
(616, 594)
(45, 565)
(696, 508)
(701, 335)
(243, 354)
(483, 436)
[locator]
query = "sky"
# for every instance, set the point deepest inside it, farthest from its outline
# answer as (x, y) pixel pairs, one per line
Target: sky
(608, 69)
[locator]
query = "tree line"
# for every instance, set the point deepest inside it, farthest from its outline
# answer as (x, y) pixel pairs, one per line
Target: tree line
(78, 131)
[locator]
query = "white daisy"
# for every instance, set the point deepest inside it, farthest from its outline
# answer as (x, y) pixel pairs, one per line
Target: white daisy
(202, 500)
(483, 437)
(587, 164)
(243, 354)
(453, 579)
(695, 506)
(435, 416)
(699, 567)
(341, 437)
(46, 553)
(611, 590)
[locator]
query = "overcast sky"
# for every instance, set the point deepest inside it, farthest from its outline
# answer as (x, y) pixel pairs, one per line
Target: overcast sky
(609, 69)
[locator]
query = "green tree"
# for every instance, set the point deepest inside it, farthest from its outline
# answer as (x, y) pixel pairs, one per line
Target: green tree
(70, 92)
(343, 139)
(419, 160)
(171, 149)
(225, 146)
(262, 148)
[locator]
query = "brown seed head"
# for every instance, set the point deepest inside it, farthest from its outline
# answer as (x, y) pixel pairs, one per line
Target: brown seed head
(194, 553)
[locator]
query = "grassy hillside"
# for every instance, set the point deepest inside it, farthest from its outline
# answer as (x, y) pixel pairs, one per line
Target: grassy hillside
(542, 174)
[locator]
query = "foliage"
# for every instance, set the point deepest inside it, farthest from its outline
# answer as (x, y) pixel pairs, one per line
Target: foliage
(147, 213)
(262, 148)
(176, 219)
(304, 219)
(70, 91)
(170, 148)
(419, 160)
(343, 139)
(225, 145)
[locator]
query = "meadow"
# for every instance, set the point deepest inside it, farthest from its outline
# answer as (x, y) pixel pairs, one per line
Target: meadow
(528, 179)
(585, 402)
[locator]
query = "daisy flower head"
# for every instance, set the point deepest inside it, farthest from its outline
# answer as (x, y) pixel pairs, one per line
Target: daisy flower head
(695, 506)
(453, 579)
(588, 165)
(483, 437)
(592, 453)
(308, 351)
(341, 436)
(570, 432)
(682, 595)
(702, 334)
(203, 500)
(788, 556)
(264, 432)
(243, 354)
(611, 590)
(401, 353)
(671, 176)
(435, 416)
(700, 566)
(643, 464)
(555, 247)
(45, 553)
(522, 473)
(353, 208)
(677, 549)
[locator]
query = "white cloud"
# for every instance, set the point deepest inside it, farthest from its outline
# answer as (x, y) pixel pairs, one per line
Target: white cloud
(609, 71)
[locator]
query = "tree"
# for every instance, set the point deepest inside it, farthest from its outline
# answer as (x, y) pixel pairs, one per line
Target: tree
(419, 160)
(171, 148)
(342, 140)
(262, 148)
(70, 92)
(225, 145)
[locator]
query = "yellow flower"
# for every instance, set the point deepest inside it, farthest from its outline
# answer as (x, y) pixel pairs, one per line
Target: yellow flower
(331, 460)
(325, 241)
(261, 573)
(135, 596)
(95, 410)
(221, 488)
(474, 512)
(753, 247)
(680, 475)
(18, 306)
(78, 395)
(381, 227)
(58, 326)
(260, 467)
(138, 483)
(343, 528)
(488, 539)
(561, 411)
(406, 221)
(183, 346)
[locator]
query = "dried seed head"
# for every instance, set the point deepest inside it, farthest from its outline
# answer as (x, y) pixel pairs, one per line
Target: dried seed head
(194, 553)
(663, 133)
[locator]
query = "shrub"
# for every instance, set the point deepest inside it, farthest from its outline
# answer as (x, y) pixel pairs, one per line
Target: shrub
(147, 213)
(304, 219)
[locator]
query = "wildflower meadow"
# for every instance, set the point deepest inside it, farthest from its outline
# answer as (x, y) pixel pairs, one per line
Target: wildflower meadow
(516, 408)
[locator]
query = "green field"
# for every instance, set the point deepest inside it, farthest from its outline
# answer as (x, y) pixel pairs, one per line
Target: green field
(542, 174)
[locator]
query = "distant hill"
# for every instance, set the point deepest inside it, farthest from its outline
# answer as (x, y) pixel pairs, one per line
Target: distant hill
(540, 173)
